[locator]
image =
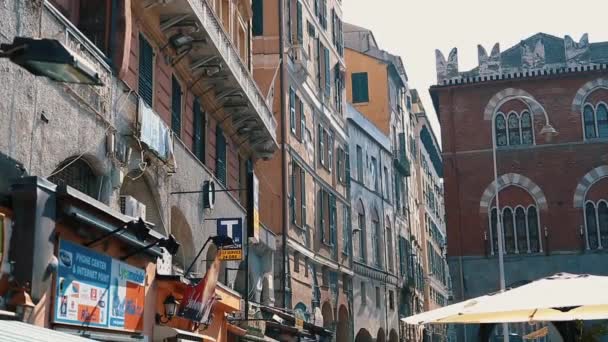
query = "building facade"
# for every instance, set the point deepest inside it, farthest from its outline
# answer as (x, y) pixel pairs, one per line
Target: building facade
(377, 87)
(177, 108)
(298, 59)
(551, 192)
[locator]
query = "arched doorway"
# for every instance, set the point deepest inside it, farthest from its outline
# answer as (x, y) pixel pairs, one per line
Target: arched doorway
(77, 173)
(328, 317)
(363, 336)
(393, 336)
(183, 233)
(343, 332)
(381, 336)
(136, 185)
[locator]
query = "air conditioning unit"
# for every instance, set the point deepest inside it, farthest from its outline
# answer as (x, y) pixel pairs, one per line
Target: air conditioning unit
(132, 207)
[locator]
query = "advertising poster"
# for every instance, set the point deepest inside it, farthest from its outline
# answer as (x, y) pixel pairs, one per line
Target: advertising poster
(232, 227)
(199, 299)
(97, 291)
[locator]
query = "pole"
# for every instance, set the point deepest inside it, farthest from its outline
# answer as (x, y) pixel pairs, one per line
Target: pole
(501, 265)
(284, 199)
(196, 258)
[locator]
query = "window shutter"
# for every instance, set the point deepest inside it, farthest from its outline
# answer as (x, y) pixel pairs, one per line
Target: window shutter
(347, 167)
(257, 24)
(330, 151)
(321, 146)
(333, 26)
(303, 195)
(327, 72)
(176, 107)
(289, 22)
(146, 70)
(300, 24)
(320, 61)
(321, 216)
(199, 129)
(292, 110)
(302, 121)
(332, 220)
(292, 197)
(220, 155)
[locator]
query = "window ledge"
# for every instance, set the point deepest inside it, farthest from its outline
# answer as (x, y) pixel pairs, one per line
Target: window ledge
(515, 147)
(595, 140)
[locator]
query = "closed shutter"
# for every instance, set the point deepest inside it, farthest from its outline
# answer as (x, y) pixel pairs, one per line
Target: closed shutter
(302, 120)
(330, 151)
(303, 196)
(289, 22)
(360, 91)
(199, 131)
(257, 23)
(176, 107)
(347, 167)
(220, 153)
(320, 61)
(146, 70)
(321, 146)
(333, 26)
(292, 110)
(327, 72)
(321, 217)
(332, 220)
(300, 23)
(292, 197)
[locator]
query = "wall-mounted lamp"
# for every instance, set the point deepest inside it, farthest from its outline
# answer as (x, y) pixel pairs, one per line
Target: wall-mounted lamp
(170, 305)
(23, 304)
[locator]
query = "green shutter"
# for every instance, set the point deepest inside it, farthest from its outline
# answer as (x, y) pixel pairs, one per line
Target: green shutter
(220, 155)
(327, 72)
(257, 23)
(292, 197)
(332, 220)
(360, 87)
(292, 110)
(303, 196)
(146, 70)
(299, 23)
(347, 166)
(176, 107)
(199, 129)
(302, 121)
(321, 218)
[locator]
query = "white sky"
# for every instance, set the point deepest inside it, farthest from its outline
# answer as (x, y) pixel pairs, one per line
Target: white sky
(414, 29)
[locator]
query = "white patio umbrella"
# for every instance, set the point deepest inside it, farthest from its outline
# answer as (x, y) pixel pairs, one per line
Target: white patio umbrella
(561, 297)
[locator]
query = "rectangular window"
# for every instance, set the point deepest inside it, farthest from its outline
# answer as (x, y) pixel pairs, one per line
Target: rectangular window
(321, 145)
(257, 23)
(176, 106)
(359, 164)
(360, 87)
(333, 219)
(330, 150)
(374, 173)
(298, 195)
(387, 185)
(94, 21)
(347, 167)
(378, 297)
(363, 294)
(292, 110)
(338, 88)
(199, 130)
(146, 70)
(340, 164)
(345, 230)
(220, 156)
(296, 262)
(323, 14)
(327, 72)
(299, 23)
(306, 267)
(391, 300)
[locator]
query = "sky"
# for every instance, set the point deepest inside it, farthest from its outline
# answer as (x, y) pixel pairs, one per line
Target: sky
(414, 29)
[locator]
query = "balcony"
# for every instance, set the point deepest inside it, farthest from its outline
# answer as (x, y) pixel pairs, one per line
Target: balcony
(200, 41)
(402, 163)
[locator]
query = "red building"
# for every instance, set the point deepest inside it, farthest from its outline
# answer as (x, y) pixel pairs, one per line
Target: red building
(552, 194)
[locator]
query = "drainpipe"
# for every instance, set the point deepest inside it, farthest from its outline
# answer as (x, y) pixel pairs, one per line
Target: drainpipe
(284, 204)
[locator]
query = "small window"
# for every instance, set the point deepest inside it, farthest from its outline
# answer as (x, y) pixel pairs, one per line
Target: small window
(146, 71)
(360, 87)
(589, 119)
(359, 164)
(200, 129)
(373, 173)
(391, 299)
(306, 267)
(296, 262)
(77, 174)
(363, 294)
(378, 297)
(176, 106)
(257, 23)
(220, 156)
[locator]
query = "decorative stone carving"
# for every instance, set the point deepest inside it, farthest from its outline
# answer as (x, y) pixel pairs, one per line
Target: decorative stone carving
(446, 69)
(532, 57)
(577, 53)
(489, 65)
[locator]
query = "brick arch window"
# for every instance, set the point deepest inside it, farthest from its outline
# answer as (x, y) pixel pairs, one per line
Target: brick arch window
(596, 224)
(514, 129)
(521, 232)
(500, 126)
(78, 174)
(595, 120)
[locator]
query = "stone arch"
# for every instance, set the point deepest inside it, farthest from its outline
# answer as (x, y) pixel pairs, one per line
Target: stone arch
(586, 182)
(514, 179)
(140, 187)
(328, 315)
(183, 233)
(381, 337)
(506, 94)
(342, 331)
(363, 336)
(393, 336)
(584, 91)
(81, 173)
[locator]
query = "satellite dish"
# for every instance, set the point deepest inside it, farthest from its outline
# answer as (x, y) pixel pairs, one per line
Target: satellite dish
(208, 194)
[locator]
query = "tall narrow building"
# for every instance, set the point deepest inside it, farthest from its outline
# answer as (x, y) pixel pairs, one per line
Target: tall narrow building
(298, 59)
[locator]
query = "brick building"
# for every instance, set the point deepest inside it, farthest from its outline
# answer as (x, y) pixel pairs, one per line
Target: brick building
(551, 193)
(298, 59)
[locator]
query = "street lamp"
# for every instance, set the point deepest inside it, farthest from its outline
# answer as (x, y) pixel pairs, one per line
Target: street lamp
(549, 132)
(50, 58)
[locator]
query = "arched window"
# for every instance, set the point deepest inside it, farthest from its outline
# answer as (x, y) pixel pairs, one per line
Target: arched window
(389, 244)
(508, 230)
(602, 219)
(589, 120)
(77, 174)
(493, 232)
(514, 130)
(501, 130)
(535, 245)
(520, 228)
(602, 120)
(527, 138)
(591, 225)
(362, 234)
(376, 238)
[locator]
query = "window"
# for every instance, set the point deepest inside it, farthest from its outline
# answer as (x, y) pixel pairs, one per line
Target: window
(387, 185)
(330, 150)
(306, 267)
(362, 235)
(326, 148)
(324, 69)
(389, 244)
(527, 137)
(321, 145)
(378, 297)
(257, 23)
(296, 113)
(360, 88)
(596, 224)
(373, 173)
(299, 23)
(391, 299)
(340, 164)
(345, 230)
(78, 174)
(146, 70)
(298, 195)
(199, 129)
(220, 156)
(359, 164)
(327, 217)
(376, 239)
(520, 229)
(176, 106)
(338, 88)
(514, 130)
(595, 121)
(363, 294)
(321, 7)
(296, 262)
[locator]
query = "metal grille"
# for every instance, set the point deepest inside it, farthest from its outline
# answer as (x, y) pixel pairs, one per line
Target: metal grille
(78, 175)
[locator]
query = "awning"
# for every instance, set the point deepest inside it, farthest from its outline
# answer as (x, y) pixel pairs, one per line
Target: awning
(162, 332)
(15, 331)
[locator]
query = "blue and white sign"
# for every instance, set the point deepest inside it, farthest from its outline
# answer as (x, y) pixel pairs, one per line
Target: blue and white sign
(232, 227)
